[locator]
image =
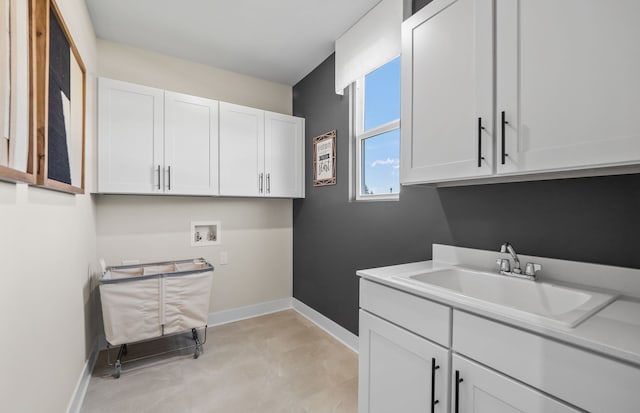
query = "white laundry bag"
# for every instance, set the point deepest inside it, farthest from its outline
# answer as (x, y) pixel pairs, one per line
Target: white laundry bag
(148, 301)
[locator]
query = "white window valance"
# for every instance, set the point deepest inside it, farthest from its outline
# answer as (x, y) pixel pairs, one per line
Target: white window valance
(371, 42)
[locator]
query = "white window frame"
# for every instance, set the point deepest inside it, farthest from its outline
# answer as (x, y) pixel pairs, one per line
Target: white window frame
(358, 137)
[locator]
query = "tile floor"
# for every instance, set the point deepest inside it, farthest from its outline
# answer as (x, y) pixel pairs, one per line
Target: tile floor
(279, 362)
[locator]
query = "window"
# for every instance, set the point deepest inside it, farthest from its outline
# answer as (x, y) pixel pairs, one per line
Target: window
(376, 127)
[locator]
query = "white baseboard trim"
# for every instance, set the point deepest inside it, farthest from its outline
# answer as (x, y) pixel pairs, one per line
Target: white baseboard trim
(340, 333)
(75, 404)
(250, 311)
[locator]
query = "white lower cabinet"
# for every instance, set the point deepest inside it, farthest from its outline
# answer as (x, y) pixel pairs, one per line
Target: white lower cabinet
(414, 352)
(406, 373)
(477, 389)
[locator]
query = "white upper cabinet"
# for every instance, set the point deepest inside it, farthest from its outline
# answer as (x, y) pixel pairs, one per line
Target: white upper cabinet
(191, 145)
(242, 150)
(561, 86)
(130, 142)
(283, 156)
(567, 82)
(152, 141)
(447, 97)
(261, 153)
(156, 142)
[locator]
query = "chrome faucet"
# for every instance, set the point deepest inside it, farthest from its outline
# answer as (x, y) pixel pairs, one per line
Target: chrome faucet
(504, 264)
(508, 248)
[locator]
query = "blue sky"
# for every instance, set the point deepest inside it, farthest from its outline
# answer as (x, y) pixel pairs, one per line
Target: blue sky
(381, 156)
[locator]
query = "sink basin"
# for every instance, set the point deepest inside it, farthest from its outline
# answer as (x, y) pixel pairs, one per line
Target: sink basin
(534, 301)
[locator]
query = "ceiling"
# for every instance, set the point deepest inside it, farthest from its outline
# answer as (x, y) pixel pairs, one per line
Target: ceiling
(276, 40)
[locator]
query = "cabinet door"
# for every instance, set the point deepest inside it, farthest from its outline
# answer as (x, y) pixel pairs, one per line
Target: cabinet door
(480, 390)
(567, 82)
(284, 155)
(241, 150)
(396, 369)
(447, 92)
(130, 135)
(190, 145)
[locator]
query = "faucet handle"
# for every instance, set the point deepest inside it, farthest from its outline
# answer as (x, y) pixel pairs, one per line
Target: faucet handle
(532, 268)
(504, 265)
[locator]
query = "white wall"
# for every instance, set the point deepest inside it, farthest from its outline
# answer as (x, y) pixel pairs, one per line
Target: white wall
(121, 62)
(47, 252)
(257, 234)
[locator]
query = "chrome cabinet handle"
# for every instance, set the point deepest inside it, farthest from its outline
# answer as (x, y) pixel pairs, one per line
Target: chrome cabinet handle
(269, 183)
(158, 177)
(480, 129)
(260, 182)
(434, 367)
(169, 180)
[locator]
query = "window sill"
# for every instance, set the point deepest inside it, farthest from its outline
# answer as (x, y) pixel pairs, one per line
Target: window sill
(373, 198)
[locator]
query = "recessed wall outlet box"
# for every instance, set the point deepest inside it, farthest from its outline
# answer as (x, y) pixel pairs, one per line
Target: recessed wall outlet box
(205, 233)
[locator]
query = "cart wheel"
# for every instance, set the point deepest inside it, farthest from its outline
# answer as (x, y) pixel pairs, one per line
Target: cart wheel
(116, 374)
(197, 352)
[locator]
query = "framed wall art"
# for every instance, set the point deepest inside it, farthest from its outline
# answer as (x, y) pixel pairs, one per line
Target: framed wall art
(324, 159)
(60, 107)
(17, 131)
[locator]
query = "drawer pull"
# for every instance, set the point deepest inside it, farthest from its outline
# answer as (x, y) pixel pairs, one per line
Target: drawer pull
(434, 367)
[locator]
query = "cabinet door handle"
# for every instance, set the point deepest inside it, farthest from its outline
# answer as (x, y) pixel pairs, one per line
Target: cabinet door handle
(169, 180)
(457, 395)
(434, 367)
(260, 180)
(269, 183)
(158, 177)
(480, 129)
(504, 123)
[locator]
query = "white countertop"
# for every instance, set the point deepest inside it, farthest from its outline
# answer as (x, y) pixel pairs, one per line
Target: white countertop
(613, 331)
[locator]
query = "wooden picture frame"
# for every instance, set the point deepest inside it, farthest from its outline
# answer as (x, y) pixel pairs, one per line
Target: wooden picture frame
(60, 78)
(17, 122)
(324, 159)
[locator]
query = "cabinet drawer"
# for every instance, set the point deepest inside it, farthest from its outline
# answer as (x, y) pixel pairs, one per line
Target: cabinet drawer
(419, 315)
(584, 379)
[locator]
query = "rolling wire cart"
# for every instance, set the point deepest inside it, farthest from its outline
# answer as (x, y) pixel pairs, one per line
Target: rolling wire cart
(149, 301)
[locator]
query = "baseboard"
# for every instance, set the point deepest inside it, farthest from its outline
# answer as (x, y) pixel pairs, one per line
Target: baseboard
(250, 311)
(83, 382)
(340, 333)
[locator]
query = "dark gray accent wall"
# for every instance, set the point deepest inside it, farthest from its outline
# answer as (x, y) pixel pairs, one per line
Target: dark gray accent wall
(333, 237)
(588, 219)
(418, 4)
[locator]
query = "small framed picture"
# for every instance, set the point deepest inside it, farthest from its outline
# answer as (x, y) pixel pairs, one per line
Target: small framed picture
(324, 159)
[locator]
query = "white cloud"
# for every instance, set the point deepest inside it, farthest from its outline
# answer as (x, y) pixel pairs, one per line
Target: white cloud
(387, 161)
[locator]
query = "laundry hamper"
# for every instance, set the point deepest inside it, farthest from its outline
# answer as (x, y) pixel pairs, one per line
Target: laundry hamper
(142, 302)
